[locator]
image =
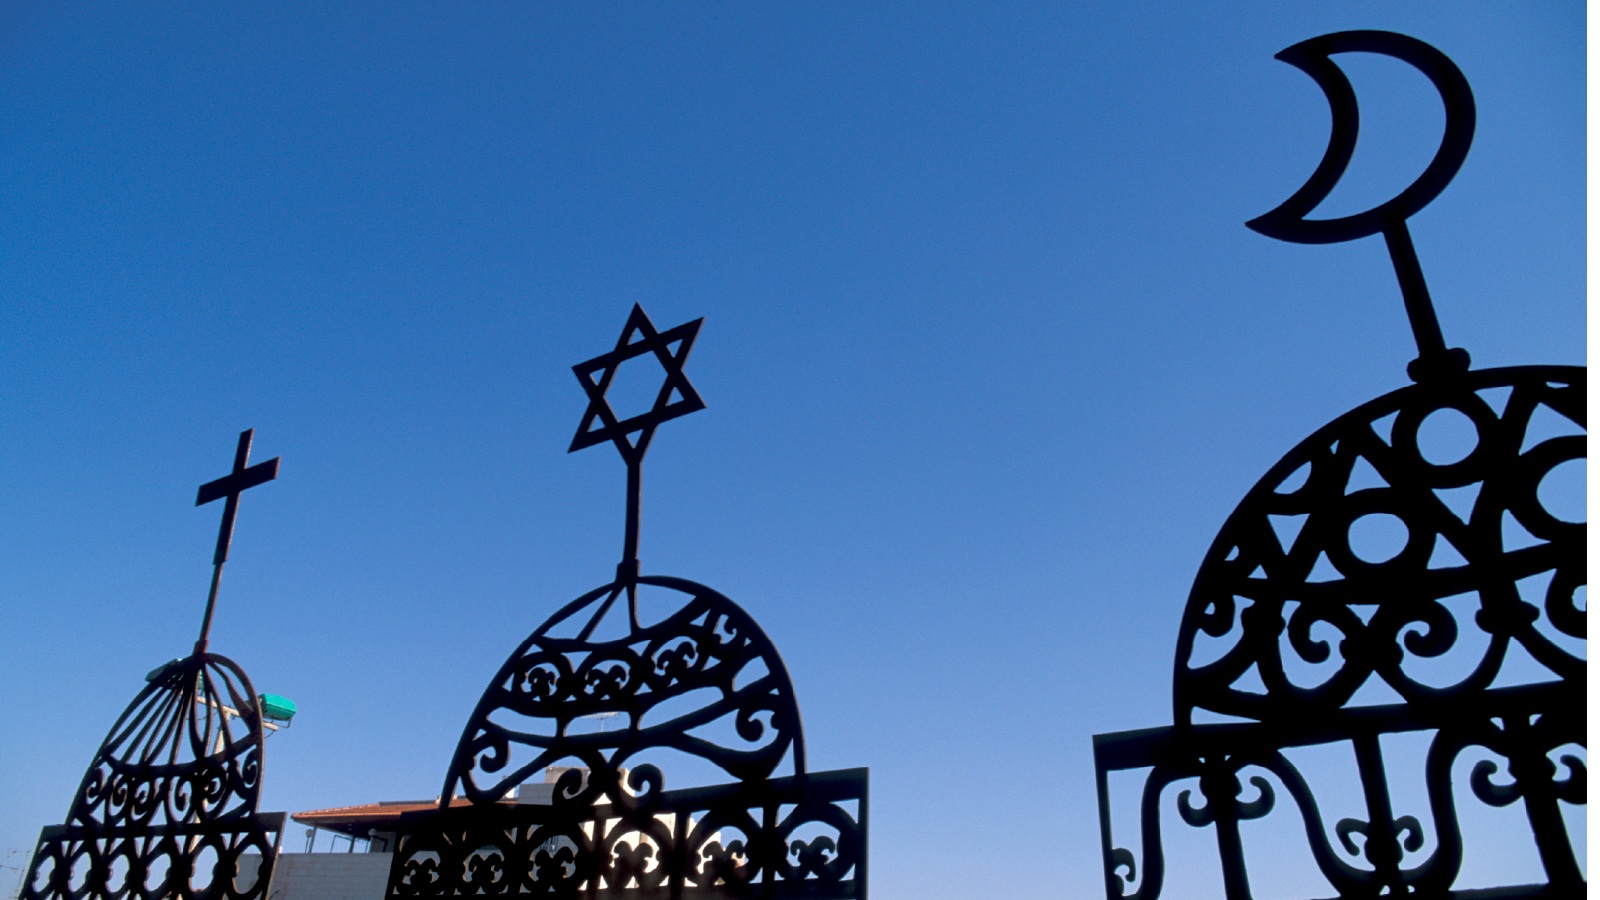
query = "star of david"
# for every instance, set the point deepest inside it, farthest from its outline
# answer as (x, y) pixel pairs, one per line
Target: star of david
(676, 398)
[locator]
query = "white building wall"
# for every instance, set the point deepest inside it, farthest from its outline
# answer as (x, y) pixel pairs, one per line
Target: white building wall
(329, 876)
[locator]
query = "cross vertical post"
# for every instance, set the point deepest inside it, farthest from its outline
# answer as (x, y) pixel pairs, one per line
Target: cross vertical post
(230, 486)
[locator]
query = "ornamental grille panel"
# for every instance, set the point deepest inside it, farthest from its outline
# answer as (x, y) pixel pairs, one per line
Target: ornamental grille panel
(168, 807)
(1464, 635)
(642, 676)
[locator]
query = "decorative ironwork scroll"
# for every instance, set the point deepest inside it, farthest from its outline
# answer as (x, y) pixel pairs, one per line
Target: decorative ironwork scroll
(1383, 558)
(695, 685)
(169, 805)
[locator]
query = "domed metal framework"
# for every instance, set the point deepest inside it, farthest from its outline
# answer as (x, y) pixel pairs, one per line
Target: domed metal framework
(1304, 630)
(169, 805)
(697, 686)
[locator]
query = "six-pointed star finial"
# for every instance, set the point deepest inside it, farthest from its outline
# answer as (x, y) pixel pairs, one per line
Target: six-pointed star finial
(677, 396)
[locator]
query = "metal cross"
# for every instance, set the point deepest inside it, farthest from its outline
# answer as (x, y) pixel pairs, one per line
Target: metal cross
(242, 478)
(595, 375)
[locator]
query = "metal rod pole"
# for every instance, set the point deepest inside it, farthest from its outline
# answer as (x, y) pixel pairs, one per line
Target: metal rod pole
(1414, 291)
(630, 541)
(211, 605)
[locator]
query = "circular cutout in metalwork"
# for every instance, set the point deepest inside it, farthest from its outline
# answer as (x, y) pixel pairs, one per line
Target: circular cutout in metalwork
(171, 797)
(1370, 565)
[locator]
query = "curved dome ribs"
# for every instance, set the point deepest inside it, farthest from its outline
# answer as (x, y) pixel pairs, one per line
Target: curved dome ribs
(608, 825)
(1378, 617)
(702, 692)
(1409, 576)
(169, 806)
(708, 645)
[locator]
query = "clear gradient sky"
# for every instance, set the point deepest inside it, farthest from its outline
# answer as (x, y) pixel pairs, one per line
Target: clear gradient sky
(988, 356)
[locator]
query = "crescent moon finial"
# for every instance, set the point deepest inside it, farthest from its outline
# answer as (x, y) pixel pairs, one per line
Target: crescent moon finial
(1288, 221)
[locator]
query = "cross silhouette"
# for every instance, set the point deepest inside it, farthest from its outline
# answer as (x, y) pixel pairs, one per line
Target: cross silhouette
(241, 479)
(231, 486)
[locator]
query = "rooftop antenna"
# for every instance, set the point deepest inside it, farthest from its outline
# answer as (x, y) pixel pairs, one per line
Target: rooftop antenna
(602, 716)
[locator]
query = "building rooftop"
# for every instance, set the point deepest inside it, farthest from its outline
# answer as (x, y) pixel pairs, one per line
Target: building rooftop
(360, 821)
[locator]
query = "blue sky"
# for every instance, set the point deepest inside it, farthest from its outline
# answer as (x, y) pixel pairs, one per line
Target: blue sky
(988, 356)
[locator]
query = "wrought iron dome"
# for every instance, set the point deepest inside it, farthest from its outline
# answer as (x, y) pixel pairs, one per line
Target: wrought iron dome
(169, 806)
(1467, 632)
(697, 686)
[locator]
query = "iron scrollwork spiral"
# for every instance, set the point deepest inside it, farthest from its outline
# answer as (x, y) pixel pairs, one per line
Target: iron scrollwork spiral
(1300, 621)
(701, 686)
(708, 651)
(1379, 583)
(781, 837)
(702, 683)
(169, 806)
(1312, 607)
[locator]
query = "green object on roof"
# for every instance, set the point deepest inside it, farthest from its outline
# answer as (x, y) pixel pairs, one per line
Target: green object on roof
(280, 709)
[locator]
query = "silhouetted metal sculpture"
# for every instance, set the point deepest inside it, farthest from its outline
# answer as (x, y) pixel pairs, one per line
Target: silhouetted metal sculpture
(169, 806)
(1287, 621)
(699, 683)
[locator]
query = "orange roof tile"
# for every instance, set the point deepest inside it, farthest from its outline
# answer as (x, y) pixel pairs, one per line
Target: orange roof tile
(358, 820)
